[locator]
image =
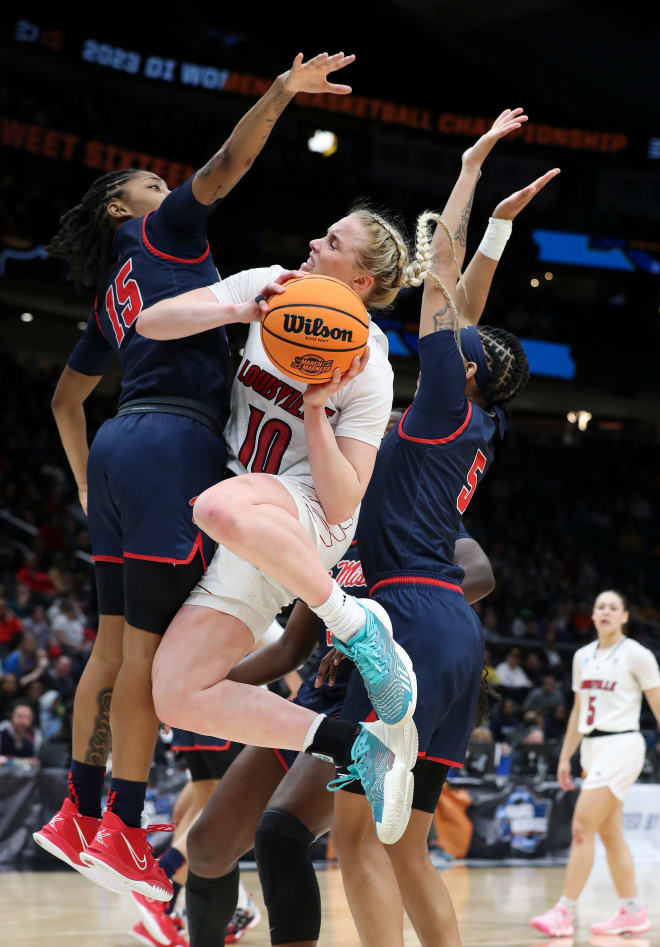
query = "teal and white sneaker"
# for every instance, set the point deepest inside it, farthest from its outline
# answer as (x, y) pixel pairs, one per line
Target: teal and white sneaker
(382, 759)
(385, 667)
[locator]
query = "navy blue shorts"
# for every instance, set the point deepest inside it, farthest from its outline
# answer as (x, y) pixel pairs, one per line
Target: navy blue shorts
(143, 471)
(444, 639)
(206, 757)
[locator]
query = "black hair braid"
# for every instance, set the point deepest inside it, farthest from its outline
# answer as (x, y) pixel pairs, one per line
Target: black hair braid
(85, 235)
(486, 699)
(507, 364)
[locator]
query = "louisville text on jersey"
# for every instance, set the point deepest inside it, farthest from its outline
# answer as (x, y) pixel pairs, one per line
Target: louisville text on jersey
(284, 395)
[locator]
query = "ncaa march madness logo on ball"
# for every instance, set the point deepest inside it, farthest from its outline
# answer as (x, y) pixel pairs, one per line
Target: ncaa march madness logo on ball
(317, 325)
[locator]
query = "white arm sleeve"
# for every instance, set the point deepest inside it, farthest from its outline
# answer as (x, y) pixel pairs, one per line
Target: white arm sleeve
(243, 286)
(645, 668)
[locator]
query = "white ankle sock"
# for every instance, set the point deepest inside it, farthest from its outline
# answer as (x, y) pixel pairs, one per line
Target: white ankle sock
(311, 733)
(341, 614)
(632, 905)
(568, 903)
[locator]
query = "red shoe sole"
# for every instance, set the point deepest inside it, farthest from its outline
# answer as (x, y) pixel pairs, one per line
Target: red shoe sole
(113, 880)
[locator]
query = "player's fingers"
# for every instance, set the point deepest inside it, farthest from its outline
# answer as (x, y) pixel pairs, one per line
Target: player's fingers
(289, 274)
(316, 60)
(545, 178)
(337, 88)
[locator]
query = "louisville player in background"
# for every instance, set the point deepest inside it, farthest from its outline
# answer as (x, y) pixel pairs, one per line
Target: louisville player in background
(137, 242)
(609, 677)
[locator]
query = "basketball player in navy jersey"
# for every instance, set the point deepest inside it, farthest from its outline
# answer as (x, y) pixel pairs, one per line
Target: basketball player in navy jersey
(136, 242)
(288, 788)
(425, 476)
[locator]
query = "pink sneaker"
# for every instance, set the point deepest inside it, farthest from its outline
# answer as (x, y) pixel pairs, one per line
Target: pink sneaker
(623, 923)
(556, 922)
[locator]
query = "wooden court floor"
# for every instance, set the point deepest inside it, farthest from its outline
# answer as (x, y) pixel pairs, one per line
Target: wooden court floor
(62, 909)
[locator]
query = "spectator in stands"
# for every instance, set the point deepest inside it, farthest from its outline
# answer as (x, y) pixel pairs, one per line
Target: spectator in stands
(8, 693)
(22, 602)
(35, 578)
(551, 656)
(51, 715)
(533, 667)
(505, 721)
(68, 626)
(545, 698)
(555, 724)
(510, 673)
(17, 736)
(489, 623)
(37, 623)
(10, 626)
(61, 679)
(24, 658)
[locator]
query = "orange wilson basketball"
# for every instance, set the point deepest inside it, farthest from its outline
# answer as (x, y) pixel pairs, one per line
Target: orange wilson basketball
(316, 325)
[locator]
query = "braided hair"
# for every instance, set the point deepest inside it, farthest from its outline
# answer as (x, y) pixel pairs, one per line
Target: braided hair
(507, 364)
(86, 231)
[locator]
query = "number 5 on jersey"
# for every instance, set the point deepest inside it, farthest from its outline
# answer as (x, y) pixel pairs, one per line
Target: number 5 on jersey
(466, 494)
(129, 301)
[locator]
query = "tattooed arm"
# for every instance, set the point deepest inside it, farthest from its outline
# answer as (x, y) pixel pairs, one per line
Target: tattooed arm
(236, 156)
(436, 313)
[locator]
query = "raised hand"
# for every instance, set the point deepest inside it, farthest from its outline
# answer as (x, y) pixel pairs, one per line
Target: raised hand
(511, 206)
(508, 121)
(312, 76)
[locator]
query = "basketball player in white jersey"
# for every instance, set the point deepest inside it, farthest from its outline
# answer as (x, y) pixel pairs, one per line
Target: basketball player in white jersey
(609, 677)
(303, 456)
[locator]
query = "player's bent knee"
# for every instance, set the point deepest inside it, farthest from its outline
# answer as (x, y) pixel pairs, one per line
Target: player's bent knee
(217, 515)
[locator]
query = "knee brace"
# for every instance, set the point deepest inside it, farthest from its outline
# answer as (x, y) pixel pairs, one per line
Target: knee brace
(288, 880)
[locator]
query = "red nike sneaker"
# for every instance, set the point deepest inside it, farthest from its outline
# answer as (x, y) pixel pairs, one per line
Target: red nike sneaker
(67, 835)
(160, 925)
(127, 860)
(140, 932)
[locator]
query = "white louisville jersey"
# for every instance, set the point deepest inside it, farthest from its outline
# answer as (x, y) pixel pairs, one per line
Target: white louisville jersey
(610, 683)
(266, 432)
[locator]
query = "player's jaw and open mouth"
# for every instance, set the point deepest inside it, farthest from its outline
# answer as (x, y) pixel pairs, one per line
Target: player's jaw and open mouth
(309, 264)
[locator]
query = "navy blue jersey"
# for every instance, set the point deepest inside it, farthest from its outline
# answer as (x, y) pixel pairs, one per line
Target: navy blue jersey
(426, 473)
(157, 256)
(348, 574)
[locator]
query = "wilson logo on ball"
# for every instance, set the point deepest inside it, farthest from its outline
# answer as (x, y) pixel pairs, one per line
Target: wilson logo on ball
(317, 328)
(311, 364)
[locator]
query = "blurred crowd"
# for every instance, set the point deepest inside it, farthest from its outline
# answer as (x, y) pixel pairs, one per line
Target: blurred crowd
(552, 517)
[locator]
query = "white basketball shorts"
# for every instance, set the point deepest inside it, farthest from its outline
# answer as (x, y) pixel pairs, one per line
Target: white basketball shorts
(614, 761)
(236, 587)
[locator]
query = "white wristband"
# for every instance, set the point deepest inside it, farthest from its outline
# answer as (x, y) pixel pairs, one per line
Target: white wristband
(495, 238)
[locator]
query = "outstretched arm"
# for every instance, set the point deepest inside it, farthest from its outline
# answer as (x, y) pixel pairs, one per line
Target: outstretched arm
(200, 310)
(437, 313)
(236, 156)
(472, 291)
